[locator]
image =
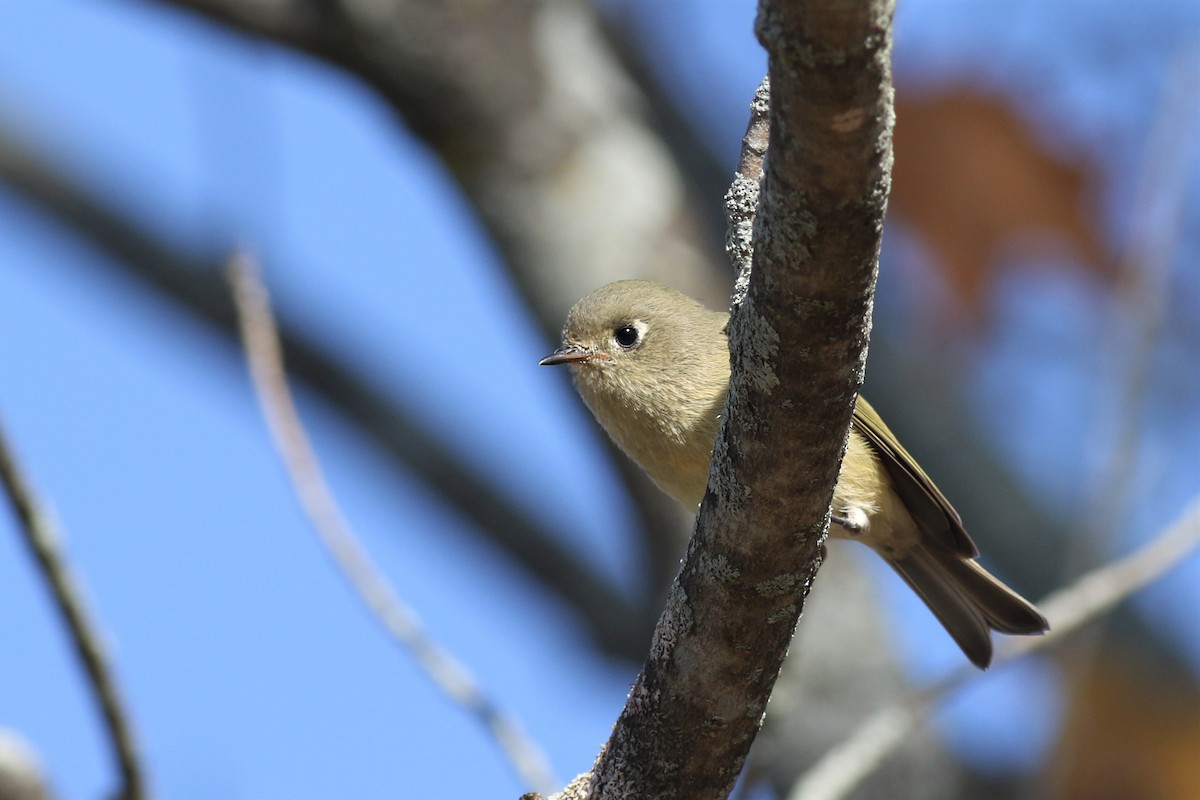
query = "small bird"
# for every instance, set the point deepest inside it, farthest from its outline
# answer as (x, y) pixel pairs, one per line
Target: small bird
(652, 365)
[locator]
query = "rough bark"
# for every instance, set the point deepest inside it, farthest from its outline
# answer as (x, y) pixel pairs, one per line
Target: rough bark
(798, 338)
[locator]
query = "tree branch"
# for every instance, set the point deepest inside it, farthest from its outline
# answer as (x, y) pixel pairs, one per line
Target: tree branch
(265, 357)
(42, 538)
(798, 337)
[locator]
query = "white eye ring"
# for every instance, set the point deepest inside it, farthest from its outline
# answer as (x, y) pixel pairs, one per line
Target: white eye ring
(629, 334)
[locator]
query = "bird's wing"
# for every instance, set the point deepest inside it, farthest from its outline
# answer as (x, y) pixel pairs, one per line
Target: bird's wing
(928, 506)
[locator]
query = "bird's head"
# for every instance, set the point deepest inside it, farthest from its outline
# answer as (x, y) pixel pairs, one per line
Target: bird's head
(638, 348)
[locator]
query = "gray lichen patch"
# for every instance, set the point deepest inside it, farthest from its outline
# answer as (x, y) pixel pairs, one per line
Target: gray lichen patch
(783, 614)
(815, 308)
(778, 585)
(732, 495)
(741, 202)
(719, 569)
(675, 623)
(757, 345)
(786, 237)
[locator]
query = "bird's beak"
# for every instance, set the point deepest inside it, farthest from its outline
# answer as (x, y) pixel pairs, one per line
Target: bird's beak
(572, 354)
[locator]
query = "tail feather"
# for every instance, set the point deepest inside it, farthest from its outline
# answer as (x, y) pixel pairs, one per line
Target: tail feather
(968, 600)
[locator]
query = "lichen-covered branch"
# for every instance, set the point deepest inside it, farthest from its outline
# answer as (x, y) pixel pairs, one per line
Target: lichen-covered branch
(798, 343)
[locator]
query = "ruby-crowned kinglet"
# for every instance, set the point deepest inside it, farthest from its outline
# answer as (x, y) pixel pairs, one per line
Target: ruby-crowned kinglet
(653, 367)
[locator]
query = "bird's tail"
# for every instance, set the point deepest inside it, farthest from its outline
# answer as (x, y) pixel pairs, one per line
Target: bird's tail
(969, 601)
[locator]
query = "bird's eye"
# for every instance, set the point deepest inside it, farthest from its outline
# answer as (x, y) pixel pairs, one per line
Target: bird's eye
(626, 336)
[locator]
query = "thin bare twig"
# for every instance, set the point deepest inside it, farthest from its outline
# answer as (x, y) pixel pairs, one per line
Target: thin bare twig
(192, 282)
(265, 358)
(42, 537)
(1156, 222)
(859, 754)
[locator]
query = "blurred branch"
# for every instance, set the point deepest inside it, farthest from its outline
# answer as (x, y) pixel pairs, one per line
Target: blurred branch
(42, 538)
(550, 140)
(265, 357)
(1068, 609)
(705, 175)
(193, 283)
(1157, 215)
(1156, 218)
(533, 115)
(21, 776)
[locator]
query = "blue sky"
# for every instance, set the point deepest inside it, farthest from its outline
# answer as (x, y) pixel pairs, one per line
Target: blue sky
(242, 654)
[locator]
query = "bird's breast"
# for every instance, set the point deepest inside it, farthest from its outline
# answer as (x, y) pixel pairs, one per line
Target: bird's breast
(670, 438)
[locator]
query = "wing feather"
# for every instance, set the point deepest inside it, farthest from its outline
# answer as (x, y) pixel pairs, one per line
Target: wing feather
(924, 501)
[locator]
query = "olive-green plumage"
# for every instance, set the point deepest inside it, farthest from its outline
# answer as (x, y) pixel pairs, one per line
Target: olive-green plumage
(653, 367)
